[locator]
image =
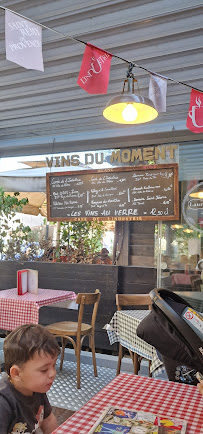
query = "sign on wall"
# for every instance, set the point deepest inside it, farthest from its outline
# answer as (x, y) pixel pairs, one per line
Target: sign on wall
(127, 193)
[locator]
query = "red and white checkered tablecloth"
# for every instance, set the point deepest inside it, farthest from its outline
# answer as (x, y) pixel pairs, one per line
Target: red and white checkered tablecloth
(147, 394)
(16, 310)
(180, 279)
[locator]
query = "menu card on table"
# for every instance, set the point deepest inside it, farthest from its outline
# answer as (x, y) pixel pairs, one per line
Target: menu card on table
(27, 281)
(119, 420)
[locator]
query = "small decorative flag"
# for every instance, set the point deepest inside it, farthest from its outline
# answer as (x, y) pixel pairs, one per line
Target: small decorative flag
(195, 113)
(23, 42)
(95, 69)
(157, 92)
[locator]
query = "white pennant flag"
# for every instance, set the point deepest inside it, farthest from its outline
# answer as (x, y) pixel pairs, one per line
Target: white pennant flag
(157, 92)
(23, 42)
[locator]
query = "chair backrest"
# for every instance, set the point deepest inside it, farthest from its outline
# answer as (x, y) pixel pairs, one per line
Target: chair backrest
(197, 284)
(133, 300)
(85, 299)
(193, 279)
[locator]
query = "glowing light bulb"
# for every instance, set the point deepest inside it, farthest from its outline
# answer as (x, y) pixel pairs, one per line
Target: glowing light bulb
(197, 195)
(176, 226)
(129, 113)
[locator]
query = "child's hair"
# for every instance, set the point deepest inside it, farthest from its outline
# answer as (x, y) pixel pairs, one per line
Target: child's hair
(23, 342)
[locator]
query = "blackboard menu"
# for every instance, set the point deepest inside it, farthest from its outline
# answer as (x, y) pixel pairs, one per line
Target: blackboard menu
(127, 193)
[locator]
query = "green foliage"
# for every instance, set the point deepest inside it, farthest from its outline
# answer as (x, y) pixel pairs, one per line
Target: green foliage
(9, 206)
(85, 234)
(83, 239)
(180, 234)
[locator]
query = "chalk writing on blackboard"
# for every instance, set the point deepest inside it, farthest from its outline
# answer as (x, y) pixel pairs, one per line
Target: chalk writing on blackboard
(141, 193)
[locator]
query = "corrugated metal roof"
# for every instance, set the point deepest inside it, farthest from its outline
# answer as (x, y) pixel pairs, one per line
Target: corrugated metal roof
(38, 107)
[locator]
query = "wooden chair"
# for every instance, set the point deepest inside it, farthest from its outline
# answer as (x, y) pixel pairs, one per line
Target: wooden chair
(68, 330)
(129, 300)
(196, 282)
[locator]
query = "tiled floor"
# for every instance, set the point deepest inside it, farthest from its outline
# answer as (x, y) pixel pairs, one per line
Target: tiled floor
(64, 392)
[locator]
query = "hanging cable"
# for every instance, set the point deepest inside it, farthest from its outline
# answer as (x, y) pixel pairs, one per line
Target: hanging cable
(132, 64)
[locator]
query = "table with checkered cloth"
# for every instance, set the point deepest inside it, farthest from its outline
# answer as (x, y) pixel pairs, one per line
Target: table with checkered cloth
(140, 393)
(122, 329)
(16, 310)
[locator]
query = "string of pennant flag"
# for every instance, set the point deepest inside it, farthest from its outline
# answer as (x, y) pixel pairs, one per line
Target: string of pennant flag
(23, 40)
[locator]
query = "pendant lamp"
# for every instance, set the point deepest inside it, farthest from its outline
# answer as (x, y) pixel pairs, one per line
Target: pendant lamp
(129, 108)
(177, 226)
(188, 231)
(199, 193)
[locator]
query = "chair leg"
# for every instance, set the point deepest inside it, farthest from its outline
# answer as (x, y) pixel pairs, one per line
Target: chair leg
(120, 356)
(78, 366)
(150, 374)
(136, 364)
(93, 355)
(63, 340)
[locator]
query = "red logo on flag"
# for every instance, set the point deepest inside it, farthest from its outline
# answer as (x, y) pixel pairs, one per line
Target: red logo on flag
(195, 113)
(94, 71)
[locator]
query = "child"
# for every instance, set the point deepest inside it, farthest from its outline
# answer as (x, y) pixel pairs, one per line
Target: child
(30, 356)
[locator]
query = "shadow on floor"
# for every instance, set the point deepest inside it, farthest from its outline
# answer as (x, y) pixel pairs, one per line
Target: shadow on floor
(62, 414)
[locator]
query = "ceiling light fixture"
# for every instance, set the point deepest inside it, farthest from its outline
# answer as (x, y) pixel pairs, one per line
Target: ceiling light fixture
(177, 226)
(188, 231)
(197, 195)
(129, 108)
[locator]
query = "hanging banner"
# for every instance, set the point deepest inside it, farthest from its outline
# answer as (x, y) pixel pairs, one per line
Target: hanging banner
(23, 40)
(195, 113)
(157, 92)
(95, 69)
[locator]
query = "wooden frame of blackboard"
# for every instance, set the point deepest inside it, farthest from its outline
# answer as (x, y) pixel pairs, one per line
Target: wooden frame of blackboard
(138, 169)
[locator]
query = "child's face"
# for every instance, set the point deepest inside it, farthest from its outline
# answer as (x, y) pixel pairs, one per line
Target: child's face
(36, 375)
